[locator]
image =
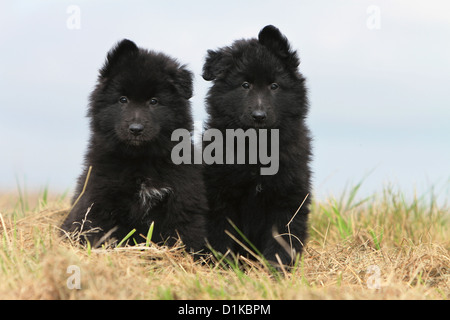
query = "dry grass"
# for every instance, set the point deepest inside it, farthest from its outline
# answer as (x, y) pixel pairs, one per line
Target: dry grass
(402, 246)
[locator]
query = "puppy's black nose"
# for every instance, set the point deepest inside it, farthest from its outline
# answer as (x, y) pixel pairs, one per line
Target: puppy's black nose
(136, 129)
(259, 115)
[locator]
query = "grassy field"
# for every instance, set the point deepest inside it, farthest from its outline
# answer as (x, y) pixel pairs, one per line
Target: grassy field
(383, 247)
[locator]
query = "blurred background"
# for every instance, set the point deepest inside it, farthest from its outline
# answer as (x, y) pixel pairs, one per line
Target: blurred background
(378, 74)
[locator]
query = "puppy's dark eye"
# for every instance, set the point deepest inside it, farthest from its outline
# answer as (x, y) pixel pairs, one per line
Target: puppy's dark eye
(154, 101)
(246, 85)
(274, 86)
(123, 100)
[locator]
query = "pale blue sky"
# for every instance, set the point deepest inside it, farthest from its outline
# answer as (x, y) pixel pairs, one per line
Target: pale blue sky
(380, 99)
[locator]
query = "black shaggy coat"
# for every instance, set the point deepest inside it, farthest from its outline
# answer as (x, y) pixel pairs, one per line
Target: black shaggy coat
(257, 85)
(140, 99)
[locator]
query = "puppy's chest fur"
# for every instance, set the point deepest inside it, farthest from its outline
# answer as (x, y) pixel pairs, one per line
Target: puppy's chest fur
(150, 196)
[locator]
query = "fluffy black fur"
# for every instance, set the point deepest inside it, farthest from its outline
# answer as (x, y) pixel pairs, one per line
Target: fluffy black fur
(252, 78)
(141, 97)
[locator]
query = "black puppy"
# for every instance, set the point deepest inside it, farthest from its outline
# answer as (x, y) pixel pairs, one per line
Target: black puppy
(257, 85)
(141, 97)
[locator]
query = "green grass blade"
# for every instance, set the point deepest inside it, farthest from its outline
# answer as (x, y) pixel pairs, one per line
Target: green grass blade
(149, 234)
(126, 238)
(44, 199)
(260, 256)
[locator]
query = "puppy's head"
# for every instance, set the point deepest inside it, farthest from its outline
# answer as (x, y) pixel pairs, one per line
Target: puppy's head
(254, 81)
(141, 96)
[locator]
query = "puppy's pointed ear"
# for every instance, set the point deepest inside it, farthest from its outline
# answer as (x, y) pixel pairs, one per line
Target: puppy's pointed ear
(275, 41)
(216, 64)
(183, 82)
(122, 49)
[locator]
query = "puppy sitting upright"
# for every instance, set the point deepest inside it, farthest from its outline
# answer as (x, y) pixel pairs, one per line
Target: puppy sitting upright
(141, 97)
(257, 86)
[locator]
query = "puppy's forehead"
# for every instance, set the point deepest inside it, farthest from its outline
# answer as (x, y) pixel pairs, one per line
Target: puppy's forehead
(259, 63)
(149, 63)
(144, 75)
